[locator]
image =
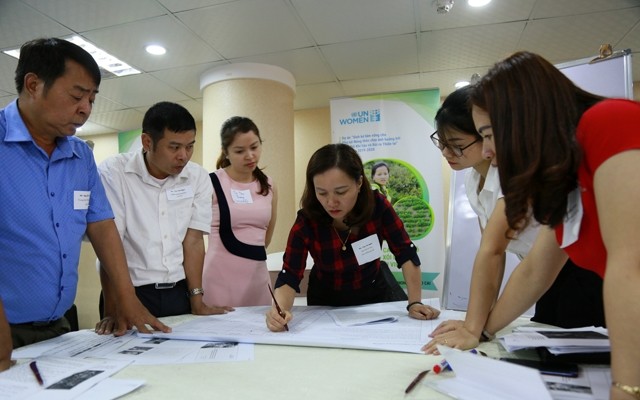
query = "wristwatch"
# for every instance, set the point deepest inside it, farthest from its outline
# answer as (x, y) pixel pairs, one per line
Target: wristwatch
(195, 292)
(485, 336)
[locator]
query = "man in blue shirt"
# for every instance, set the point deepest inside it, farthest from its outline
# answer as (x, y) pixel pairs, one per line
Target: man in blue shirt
(52, 196)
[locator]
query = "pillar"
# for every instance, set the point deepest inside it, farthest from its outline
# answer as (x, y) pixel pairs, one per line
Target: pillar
(265, 94)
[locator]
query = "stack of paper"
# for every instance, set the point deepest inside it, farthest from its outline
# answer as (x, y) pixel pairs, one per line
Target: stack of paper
(558, 340)
(482, 378)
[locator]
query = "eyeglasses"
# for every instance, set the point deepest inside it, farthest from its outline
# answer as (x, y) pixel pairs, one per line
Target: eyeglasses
(456, 150)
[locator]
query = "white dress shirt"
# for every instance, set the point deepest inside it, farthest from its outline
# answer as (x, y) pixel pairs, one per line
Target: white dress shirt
(153, 215)
(485, 201)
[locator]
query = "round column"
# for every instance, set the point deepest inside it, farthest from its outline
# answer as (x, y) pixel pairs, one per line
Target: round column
(265, 94)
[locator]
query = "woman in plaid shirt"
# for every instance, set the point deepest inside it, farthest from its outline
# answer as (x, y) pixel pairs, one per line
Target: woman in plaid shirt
(341, 224)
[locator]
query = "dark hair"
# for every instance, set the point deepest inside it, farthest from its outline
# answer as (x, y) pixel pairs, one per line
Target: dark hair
(166, 115)
(46, 57)
(455, 113)
(377, 165)
(345, 158)
(230, 128)
(534, 111)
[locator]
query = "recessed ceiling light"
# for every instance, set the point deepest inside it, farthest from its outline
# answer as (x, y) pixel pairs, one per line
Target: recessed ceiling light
(104, 59)
(460, 84)
(13, 53)
(155, 49)
(108, 64)
(478, 3)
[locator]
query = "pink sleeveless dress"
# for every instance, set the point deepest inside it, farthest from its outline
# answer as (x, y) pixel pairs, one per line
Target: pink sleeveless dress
(227, 279)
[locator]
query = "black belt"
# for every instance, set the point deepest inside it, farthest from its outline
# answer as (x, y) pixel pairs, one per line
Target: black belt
(39, 324)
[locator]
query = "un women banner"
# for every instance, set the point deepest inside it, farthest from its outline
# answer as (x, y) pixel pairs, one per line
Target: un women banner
(391, 132)
(129, 141)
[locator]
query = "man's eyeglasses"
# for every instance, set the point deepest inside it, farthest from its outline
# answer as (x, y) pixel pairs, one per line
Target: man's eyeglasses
(456, 150)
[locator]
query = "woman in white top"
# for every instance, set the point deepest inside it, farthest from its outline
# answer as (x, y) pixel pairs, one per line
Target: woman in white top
(461, 146)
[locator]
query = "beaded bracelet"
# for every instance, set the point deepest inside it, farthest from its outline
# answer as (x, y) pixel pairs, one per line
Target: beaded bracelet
(412, 304)
(632, 390)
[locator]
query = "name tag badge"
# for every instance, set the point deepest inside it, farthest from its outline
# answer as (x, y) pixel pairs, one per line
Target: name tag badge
(179, 193)
(367, 249)
(241, 196)
(573, 218)
(81, 199)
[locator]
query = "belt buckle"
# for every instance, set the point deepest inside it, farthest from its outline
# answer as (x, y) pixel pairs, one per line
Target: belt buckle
(169, 285)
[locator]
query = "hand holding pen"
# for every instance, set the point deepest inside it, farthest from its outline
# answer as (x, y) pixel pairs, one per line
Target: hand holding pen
(281, 313)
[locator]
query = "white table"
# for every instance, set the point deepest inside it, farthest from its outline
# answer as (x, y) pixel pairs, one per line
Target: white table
(296, 373)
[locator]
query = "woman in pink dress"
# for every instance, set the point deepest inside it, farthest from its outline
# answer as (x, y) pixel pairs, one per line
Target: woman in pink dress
(244, 215)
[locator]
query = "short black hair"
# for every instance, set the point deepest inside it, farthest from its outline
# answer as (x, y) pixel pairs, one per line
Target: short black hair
(46, 57)
(166, 115)
(455, 113)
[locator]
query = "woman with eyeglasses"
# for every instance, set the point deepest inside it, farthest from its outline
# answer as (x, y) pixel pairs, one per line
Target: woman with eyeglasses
(462, 147)
(572, 158)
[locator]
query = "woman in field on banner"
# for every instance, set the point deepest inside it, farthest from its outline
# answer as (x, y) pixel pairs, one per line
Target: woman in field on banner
(570, 159)
(380, 178)
(340, 217)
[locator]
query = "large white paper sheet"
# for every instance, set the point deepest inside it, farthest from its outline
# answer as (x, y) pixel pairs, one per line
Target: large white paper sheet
(137, 350)
(63, 378)
(314, 326)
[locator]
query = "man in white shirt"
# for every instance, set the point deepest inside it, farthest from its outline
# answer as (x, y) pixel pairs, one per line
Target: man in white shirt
(162, 207)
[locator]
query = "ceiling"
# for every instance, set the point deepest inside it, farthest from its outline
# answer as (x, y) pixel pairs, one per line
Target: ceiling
(333, 48)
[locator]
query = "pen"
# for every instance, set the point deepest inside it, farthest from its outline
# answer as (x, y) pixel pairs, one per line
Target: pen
(282, 314)
(36, 372)
(441, 366)
(415, 382)
(444, 365)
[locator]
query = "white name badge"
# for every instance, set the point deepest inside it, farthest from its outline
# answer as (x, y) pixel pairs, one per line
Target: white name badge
(573, 218)
(81, 199)
(367, 249)
(241, 196)
(179, 193)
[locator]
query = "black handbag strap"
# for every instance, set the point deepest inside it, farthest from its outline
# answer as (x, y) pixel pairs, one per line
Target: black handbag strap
(229, 240)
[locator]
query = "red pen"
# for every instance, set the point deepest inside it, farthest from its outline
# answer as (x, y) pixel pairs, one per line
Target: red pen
(444, 365)
(441, 366)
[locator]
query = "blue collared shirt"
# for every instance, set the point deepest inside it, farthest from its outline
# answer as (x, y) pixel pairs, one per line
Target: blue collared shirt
(45, 206)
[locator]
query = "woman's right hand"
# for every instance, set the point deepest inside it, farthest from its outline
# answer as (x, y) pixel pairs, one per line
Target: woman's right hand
(460, 339)
(447, 326)
(276, 322)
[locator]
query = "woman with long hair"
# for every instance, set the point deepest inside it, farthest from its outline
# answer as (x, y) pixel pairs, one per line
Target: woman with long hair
(244, 216)
(569, 159)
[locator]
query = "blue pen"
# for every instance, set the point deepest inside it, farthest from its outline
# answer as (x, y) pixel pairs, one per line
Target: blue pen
(444, 365)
